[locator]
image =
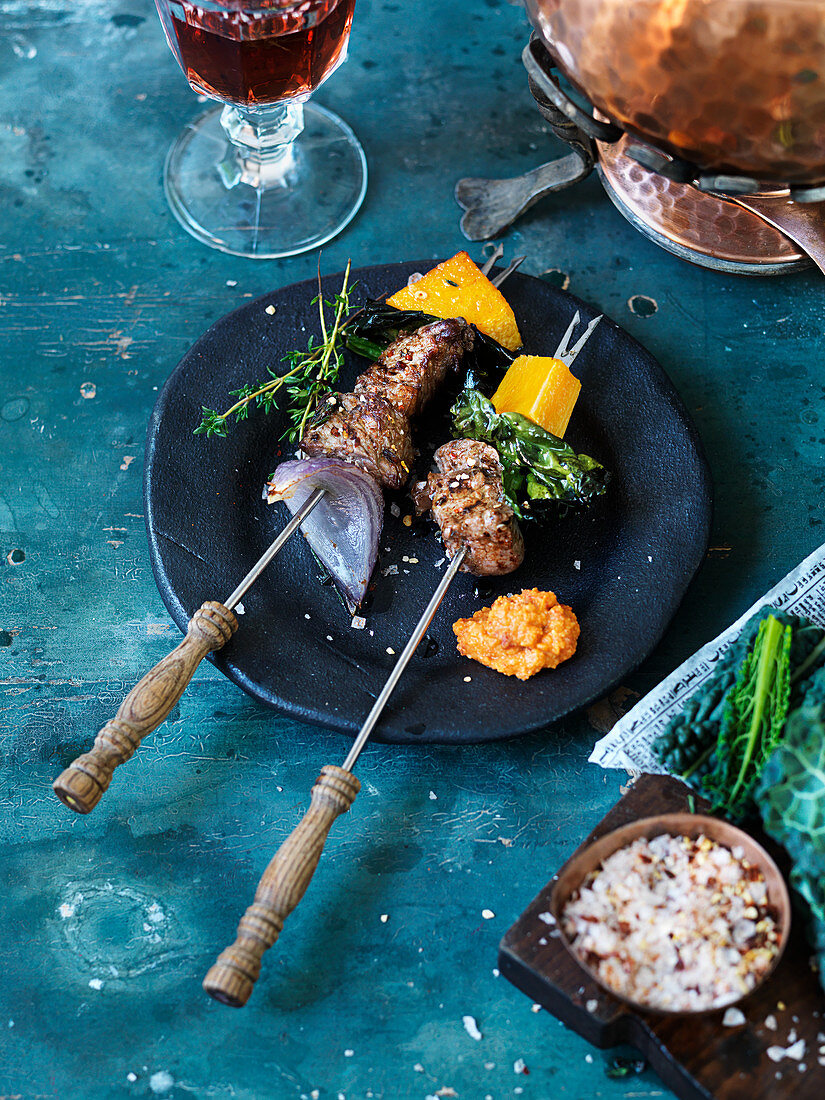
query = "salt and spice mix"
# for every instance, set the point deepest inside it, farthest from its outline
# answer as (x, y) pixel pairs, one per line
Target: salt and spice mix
(675, 923)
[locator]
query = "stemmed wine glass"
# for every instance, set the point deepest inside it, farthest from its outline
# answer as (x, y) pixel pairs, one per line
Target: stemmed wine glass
(268, 174)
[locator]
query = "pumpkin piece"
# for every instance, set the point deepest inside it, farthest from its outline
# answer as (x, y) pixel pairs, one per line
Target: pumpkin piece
(457, 288)
(541, 388)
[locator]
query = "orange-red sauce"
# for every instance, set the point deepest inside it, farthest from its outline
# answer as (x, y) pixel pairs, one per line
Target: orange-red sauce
(520, 635)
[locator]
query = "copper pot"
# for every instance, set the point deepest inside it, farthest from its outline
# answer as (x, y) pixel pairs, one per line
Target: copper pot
(734, 86)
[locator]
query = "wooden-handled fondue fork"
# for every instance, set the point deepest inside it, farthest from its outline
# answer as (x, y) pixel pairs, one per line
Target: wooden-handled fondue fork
(284, 882)
(150, 702)
(83, 783)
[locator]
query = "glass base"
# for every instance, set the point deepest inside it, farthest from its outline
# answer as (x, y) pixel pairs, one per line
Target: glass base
(316, 191)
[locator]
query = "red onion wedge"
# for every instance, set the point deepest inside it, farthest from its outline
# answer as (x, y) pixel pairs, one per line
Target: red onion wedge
(344, 527)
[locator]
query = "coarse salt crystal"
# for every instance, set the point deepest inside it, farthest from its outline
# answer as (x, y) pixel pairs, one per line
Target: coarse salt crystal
(468, 679)
(770, 1022)
(384, 918)
(488, 914)
(548, 918)
(391, 651)
(270, 310)
(496, 972)
(433, 796)
(358, 622)
(471, 1027)
(519, 1066)
(348, 1053)
(734, 1017)
(390, 571)
(395, 510)
(592, 1005)
(577, 565)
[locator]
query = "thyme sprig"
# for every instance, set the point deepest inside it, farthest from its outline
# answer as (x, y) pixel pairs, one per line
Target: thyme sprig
(310, 374)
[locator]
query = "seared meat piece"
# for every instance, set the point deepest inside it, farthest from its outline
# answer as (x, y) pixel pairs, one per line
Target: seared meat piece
(413, 367)
(469, 506)
(365, 430)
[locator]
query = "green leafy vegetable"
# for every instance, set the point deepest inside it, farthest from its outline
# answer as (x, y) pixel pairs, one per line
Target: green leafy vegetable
(310, 374)
(537, 467)
(792, 803)
(753, 719)
(688, 747)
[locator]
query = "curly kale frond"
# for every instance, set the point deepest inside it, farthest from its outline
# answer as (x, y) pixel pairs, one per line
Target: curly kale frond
(754, 719)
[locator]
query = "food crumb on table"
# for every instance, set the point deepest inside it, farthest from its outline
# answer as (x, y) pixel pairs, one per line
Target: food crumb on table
(471, 1027)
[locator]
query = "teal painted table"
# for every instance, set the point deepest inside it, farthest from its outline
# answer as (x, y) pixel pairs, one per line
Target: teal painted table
(110, 921)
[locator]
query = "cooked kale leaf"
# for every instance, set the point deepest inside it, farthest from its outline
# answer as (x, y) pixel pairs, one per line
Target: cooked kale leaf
(538, 467)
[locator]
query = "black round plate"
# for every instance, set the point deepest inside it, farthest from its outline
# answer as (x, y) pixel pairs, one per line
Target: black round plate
(623, 564)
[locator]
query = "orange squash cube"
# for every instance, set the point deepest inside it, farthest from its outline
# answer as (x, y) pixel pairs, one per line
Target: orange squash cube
(541, 388)
(457, 288)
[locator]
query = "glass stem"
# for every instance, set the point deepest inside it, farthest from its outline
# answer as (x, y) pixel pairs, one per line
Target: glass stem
(261, 151)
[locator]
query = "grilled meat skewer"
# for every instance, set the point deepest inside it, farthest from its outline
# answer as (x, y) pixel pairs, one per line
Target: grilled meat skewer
(370, 427)
(365, 430)
(413, 367)
(468, 504)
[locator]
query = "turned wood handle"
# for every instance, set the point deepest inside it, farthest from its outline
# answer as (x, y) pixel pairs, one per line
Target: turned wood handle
(149, 703)
(283, 884)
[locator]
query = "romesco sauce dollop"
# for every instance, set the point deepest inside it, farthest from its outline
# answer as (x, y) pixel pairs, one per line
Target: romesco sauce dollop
(520, 634)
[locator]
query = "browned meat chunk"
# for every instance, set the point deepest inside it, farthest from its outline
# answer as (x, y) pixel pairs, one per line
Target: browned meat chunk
(469, 506)
(413, 367)
(365, 430)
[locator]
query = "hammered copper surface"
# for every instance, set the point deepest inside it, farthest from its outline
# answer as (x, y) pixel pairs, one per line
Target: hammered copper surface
(689, 218)
(734, 85)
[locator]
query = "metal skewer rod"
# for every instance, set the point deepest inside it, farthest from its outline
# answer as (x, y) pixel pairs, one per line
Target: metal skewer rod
(514, 265)
(403, 661)
(82, 785)
(264, 561)
(232, 977)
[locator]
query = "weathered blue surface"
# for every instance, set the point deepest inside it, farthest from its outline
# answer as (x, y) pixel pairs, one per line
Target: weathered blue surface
(110, 921)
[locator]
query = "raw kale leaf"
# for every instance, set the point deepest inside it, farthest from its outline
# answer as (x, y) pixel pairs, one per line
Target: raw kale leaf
(689, 745)
(791, 799)
(753, 719)
(538, 467)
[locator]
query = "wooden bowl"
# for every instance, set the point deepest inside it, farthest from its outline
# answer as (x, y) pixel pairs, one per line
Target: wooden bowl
(588, 859)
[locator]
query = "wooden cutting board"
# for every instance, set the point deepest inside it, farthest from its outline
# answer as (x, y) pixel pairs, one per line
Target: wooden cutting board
(697, 1057)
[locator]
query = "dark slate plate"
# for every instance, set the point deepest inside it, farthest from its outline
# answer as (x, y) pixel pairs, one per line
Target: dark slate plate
(638, 548)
